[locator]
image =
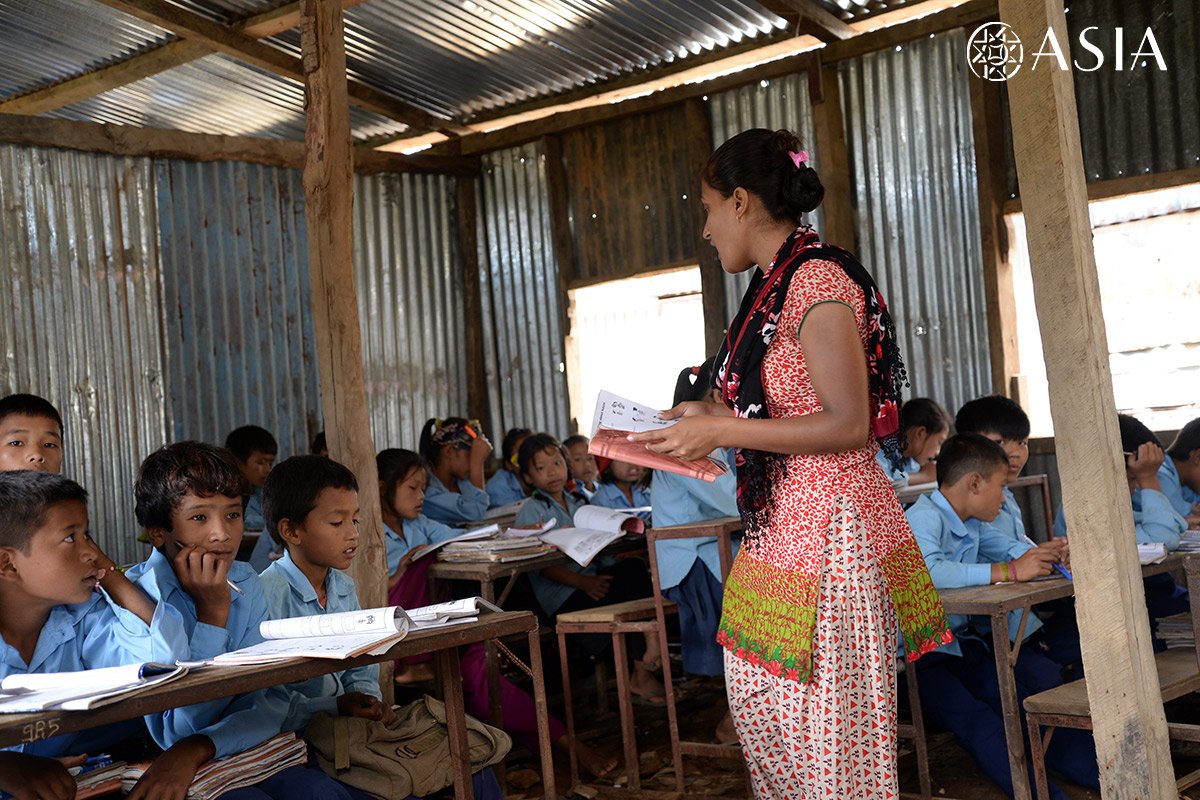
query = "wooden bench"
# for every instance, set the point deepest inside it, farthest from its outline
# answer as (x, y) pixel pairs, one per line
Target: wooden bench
(618, 620)
(1067, 706)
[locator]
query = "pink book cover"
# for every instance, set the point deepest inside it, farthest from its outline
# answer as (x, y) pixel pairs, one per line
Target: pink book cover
(614, 444)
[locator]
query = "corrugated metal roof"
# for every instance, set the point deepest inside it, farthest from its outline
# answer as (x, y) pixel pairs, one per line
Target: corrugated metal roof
(216, 94)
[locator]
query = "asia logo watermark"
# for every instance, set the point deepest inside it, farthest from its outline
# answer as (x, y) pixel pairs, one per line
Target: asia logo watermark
(995, 52)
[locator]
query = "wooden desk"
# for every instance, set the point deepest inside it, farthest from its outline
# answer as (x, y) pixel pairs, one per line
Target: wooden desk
(210, 683)
(995, 602)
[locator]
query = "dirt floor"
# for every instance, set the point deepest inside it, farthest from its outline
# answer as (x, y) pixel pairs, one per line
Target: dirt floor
(701, 705)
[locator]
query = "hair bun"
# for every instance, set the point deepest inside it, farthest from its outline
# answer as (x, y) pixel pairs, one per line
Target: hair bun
(760, 161)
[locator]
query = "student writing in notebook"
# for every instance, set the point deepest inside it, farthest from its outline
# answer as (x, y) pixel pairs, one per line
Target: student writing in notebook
(189, 501)
(311, 507)
(31, 434)
(506, 486)
(66, 608)
(456, 453)
(407, 531)
(571, 587)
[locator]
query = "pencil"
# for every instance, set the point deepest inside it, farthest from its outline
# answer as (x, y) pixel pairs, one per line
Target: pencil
(233, 586)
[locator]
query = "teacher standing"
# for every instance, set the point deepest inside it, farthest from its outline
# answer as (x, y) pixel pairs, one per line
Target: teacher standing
(810, 374)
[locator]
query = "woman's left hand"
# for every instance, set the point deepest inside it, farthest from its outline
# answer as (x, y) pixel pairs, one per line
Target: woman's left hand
(691, 438)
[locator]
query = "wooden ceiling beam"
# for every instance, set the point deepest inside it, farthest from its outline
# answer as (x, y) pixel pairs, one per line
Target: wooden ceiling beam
(812, 19)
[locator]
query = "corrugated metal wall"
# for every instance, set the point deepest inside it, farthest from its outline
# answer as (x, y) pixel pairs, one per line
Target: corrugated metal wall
(410, 290)
(237, 322)
(775, 104)
(79, 311)
(908, 131)
(524, 338)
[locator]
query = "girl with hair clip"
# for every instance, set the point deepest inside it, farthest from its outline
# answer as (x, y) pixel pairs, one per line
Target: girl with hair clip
(810, 376)
(506, 486)
(456, 451)
(924, 426)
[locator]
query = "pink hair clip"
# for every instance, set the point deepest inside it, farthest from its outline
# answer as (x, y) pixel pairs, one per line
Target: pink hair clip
(799, 157)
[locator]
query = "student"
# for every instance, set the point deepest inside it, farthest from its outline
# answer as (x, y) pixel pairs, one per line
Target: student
(505, 486)
(311, 506)
(403, 475)
(622, 485)
(1153, 517)
(582, 465)
(66, 608)
(189, 501)
(319, 447)
(924, 425)
(30, 434)
(1000, 419)
(959, 688)
(1180, 473)
(689, 570)
(255, 449)
(456, 452)
(571, 587)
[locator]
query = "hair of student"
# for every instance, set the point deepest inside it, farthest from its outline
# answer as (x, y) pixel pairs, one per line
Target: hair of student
(292, 488)
(965, 453)
(606, 475)
(509, 444)
(694, 383)
(536, 443)
(430, 449)
(993, 413)
(31, 406)
(318, 445)
(174, 470)
(26, 496)
(760, 161)
(394, 465)
(248, 439)
(924, 413)
(1134, 434)
(574, 439)
(1187, 441)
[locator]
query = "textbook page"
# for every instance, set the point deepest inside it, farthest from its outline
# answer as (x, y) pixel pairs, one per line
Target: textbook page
(479, 533)
(611, 520)
(346, 645)
(75, 691)
(371, 620)
(617, 413)
(455, 611)
(579, 544)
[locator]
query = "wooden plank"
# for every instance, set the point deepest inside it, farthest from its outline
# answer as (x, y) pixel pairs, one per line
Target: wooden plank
(127, 140)
(987, 123)
(1130, 729)
(561, 240)
(329, 196)
(224, 39)
(468, 248)
(1119, 187)
(712, 274)
(830, 145)
(810, 18)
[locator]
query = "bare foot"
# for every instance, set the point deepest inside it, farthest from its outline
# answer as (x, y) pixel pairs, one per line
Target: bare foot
(643, 685)
(592, 762)
(726, 732)
(414, 673)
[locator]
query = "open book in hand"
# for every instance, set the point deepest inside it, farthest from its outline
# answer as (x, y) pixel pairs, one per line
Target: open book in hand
(78, 691)
(595, 528)
(617, 417)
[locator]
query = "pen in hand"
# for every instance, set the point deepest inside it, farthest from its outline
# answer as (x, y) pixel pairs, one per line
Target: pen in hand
(1059, 566)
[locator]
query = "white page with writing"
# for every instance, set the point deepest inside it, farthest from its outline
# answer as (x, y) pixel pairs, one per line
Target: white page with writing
(325, 646)
(370, 620)
(579, 544)
(620, 414)
(612, 520)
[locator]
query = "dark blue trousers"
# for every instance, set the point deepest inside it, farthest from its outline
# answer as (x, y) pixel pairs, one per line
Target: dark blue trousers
(310, 783)
(698, 597)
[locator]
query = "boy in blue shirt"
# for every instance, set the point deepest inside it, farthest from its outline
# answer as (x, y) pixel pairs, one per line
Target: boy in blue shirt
(255, 450)
(189, 501)
(66, 608)
(959, 687)
(1180, 473)
(1000, 419)
(30, 434)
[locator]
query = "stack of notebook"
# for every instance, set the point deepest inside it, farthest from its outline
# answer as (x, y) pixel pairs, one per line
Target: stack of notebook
(236, 772)
(495, 550)
(1176, 631)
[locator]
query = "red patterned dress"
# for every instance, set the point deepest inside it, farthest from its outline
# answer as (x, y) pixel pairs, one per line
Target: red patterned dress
(809, 623)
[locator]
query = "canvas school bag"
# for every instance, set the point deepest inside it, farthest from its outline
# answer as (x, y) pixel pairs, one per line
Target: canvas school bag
(409, 757)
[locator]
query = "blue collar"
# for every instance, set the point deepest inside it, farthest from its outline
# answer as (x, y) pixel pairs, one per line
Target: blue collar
(958, 526)
(336, 584)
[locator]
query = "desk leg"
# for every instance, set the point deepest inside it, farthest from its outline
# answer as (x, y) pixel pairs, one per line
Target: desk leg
(456, 723)
(543, 715)
(492, 660)
(1006, 664)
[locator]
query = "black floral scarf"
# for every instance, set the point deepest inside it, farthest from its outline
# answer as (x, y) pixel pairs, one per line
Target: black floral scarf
(739, 378)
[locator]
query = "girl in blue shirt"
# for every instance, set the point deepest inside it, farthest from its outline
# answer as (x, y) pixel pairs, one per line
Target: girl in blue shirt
(924, 426)
(1180, 473)
(623, 485)
(505, 486)
(456, 451)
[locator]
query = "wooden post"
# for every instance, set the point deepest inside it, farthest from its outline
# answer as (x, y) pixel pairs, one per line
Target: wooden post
(830, 147)
(468, 245)
(988, 128)
(329, 195)
(1123, 688)
(712, 275)
(561, 240)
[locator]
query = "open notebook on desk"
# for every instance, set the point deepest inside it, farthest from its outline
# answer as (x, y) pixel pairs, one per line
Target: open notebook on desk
(82, 690)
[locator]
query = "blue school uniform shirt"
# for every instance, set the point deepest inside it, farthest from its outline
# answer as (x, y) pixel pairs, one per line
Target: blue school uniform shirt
(1180, 496)
(1009, 521)
(907, 467)
(537, 509)
(960, 553)
(468, 504)
(504, 488)
(252, 517)
(609, 495)
(416, 533)
(290, 594)
(91, 635)
(1154, 520)
(234, 724)
(679, 500)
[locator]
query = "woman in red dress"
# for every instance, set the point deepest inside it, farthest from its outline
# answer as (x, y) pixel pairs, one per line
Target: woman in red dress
(810, 375)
